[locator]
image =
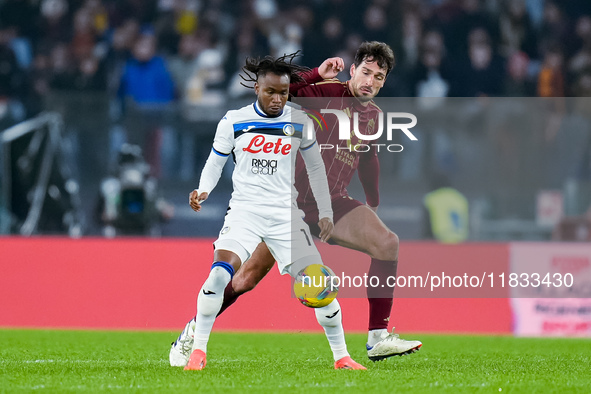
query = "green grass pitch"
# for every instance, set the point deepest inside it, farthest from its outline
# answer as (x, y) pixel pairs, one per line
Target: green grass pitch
(120, 361)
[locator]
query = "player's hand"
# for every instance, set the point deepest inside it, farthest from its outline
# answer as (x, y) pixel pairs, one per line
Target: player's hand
(196, 198)
(331, 67)
(326, 227)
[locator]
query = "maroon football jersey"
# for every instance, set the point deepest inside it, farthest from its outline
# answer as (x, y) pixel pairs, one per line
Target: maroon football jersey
(341, 161)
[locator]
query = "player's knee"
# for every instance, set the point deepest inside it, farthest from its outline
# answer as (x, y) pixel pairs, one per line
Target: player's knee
(385, 246)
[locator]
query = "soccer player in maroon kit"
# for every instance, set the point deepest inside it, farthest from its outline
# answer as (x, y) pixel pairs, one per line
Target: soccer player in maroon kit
(357, 225)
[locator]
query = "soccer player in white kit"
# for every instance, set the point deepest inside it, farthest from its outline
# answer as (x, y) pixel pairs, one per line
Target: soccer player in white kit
(264, 138)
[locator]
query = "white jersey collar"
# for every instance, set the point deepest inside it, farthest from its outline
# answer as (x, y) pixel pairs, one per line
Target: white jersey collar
(260, 112)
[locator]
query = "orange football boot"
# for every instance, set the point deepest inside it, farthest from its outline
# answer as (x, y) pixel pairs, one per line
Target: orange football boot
(347, 363)
(197, 361)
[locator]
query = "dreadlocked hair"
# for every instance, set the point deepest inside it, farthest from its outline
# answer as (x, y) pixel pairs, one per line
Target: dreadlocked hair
(283, 65)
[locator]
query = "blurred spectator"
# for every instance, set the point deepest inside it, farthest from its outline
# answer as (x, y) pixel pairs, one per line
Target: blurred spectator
(175, 19)
(287, 40)
(535, 10)
(482, 72)
(431, 75)
(581, 60)
(582, 86)
(147, 86)
(516, 32)
(470, 16)
(40, 76)
(555, 28)
(205, 86)
(12, 82)
(551, 81)
(99, 15)
(410, 40)
(243, 46)
(15, 20)
(90, 75)
(146, 79)
(375, 23)
(518, 82)
(84, 38)
(122, 40)
(183, 63)
(62, 67)
(55, 24)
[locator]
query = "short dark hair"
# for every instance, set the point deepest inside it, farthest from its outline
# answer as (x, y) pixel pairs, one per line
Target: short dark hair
(283, 65)
(379, 52)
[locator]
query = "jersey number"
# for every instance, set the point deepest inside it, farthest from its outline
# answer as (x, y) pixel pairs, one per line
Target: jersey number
(306, 235)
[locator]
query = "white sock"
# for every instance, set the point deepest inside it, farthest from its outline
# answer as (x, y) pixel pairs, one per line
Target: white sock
(331, 319)
(374, 336)
(209, 303)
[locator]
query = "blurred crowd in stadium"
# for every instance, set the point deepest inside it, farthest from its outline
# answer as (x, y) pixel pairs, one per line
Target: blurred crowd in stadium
(161, 73)
(191, 51)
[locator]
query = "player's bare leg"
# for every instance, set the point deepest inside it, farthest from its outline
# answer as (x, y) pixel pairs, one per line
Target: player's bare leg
(249, 275)
(361, 229)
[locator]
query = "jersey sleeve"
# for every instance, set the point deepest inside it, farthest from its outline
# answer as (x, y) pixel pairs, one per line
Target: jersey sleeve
(369, 175)
(316, 174)
(308, 133)
(310, 77)
(223, 144)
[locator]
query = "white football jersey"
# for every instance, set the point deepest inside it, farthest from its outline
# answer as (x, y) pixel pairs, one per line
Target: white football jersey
(264, 150)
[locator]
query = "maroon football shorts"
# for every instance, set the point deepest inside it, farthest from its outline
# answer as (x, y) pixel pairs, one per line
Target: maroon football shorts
(340, 207)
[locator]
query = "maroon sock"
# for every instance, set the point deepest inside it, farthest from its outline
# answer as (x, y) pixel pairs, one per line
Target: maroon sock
(230, 297)
(380, 298)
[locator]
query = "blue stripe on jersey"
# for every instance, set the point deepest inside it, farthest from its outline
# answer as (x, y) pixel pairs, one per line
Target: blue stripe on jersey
(220, 153)
(309, 146)
(278, 128)
(277, 132)
(247, 126)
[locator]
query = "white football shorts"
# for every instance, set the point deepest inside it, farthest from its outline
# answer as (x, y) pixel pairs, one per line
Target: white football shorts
(282, 229)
